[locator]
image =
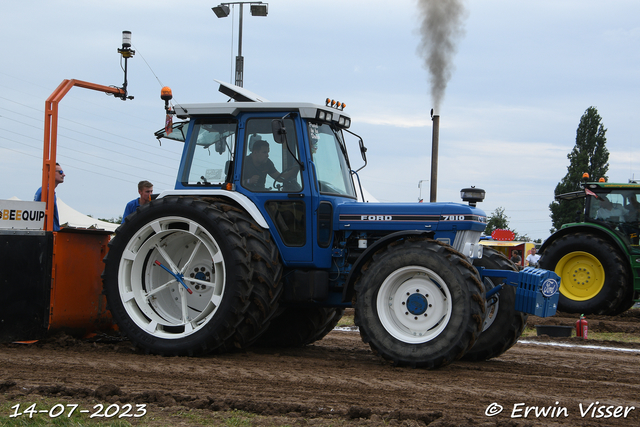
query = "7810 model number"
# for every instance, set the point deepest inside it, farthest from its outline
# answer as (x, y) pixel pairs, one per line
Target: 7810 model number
(453, 217)
(99, 410)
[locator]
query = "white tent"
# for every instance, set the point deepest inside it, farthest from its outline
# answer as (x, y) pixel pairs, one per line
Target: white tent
(72, 218)
(364, 195)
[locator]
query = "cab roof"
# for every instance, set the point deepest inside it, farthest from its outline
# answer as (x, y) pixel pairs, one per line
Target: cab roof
(247, 101)
(629, 185)
(306, 110)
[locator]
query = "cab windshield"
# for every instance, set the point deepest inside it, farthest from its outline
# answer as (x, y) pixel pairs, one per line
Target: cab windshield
(209, 153)
(619, 209)
(328, 153)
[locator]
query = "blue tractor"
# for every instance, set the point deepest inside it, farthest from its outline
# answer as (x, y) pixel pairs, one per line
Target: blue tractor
(264, 241)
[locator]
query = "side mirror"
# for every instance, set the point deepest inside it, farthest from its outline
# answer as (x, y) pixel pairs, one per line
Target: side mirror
(279, 131)
(363, 151)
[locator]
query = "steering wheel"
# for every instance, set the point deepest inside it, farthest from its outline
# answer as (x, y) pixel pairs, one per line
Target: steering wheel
(288, 184)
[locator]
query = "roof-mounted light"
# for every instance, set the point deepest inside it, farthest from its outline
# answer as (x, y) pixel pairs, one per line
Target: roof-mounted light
(325, 116)
(335, 104)
(344, 122)
(166, 94)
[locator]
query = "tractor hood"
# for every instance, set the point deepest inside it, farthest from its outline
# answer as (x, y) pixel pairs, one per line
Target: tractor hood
(409, 216)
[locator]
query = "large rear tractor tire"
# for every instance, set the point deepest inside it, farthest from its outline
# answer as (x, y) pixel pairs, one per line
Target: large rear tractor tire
(503, 325)
(419, 303)
(300, 326)
(188, 277)
(627, 302)
(594, 275)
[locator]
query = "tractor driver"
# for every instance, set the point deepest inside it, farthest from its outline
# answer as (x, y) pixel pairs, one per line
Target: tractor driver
(632, 218)
(608, 211)
(632, 208)
(257, 165)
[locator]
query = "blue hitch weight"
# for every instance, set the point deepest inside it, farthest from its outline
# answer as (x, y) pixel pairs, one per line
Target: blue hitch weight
(537, 290)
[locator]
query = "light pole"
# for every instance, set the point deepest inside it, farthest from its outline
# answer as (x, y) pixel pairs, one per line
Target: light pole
(257, 9)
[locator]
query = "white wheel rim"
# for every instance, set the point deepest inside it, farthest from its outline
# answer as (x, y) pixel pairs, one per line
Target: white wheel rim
(153, 298)
(414, 304)
(492, 309)
(491, 315)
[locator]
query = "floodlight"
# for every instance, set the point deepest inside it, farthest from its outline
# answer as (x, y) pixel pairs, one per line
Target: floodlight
(221, 11)
(259, 9)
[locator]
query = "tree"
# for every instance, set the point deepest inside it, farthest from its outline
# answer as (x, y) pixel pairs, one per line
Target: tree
(117, 220)
(498, 219)
(588, 155)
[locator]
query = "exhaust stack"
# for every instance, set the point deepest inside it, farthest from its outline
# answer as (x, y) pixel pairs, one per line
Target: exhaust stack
(435, 140)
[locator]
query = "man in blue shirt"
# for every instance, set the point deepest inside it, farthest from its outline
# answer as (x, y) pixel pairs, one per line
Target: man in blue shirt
(258, 165)
(145, 189)
(38, 197)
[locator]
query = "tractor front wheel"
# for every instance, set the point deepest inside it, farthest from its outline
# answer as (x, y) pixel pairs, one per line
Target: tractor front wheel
(419, 303)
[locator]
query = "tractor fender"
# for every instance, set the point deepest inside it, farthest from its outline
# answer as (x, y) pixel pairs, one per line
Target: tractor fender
(239, 198)
(347, 293)
(584, 228)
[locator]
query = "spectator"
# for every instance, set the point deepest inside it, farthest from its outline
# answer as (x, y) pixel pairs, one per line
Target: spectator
(145, 189)
(533, 258)
(59, 178)
(515, 257)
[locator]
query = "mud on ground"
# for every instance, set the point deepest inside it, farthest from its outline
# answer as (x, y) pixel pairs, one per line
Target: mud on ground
(339, 382)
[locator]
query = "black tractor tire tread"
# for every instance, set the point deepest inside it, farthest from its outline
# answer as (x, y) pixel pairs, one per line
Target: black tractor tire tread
(265, 277)
(626, 303)
(618, 286)
(245, 317)
(443, 353)
(300, 326)
(508, 325)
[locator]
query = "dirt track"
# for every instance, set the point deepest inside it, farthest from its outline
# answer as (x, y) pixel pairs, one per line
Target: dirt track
(338, 381)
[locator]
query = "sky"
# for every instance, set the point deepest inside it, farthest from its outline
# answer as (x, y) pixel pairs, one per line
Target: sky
(523, 73)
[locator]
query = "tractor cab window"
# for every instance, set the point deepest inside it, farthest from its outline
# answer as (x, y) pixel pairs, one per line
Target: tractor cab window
(210, 153)
(328, 153)
(269, 166)
(619, 209)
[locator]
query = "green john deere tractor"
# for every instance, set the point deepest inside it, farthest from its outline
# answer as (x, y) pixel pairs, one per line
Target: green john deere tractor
(598, 259)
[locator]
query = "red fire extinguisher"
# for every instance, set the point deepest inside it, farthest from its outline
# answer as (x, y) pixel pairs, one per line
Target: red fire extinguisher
(581, 327)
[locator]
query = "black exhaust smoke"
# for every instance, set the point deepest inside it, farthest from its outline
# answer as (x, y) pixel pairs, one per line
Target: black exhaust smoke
(441, 28)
